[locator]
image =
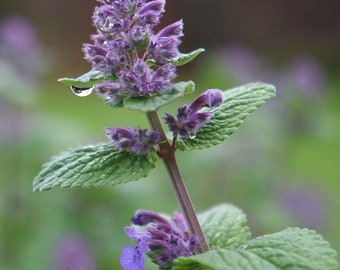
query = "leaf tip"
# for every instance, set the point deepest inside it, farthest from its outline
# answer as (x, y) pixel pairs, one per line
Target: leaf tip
(272, 89)
(38, 188)
(62, 80)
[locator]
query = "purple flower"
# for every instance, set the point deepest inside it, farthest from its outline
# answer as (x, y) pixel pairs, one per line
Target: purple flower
(243, 64)
(150, 13)
(164, 45)
(305, 206)
(162, 239)
(110, 91)
(189, 118)
(132, 258)
(124, 45)
(307, 75)
(73, 253)
(17, 34)
(141, 80)
(136, 140)
(20, 48)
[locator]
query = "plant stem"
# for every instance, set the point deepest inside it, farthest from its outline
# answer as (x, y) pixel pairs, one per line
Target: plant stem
(167, 153)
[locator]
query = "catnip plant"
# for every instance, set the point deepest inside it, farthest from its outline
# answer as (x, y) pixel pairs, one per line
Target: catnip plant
(134, 67)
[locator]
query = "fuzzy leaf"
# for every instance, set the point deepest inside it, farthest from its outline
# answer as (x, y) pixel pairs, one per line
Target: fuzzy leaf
(237, 104)
(222, 259)
(96, 166)
(294, 248)
(225, 226)
(291, 249)
(148, 104)
(84, 81)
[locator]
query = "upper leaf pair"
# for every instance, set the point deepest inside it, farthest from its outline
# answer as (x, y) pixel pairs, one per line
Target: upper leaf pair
(104, 165)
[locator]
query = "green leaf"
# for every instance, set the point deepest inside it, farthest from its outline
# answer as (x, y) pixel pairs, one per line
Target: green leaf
(222, 259)
(153, 103)
(237, 104)
(184, 58)
(294, 248)
(180, 60)
(96, 166)
(84, 81)
(291, 249)
(225, 226)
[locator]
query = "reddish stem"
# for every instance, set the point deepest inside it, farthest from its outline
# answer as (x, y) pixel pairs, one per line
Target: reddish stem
(167, 153)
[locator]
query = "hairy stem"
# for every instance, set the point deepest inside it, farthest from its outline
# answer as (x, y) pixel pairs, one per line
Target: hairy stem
(167, 153)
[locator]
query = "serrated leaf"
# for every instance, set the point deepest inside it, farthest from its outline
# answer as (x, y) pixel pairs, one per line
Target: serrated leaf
(84, 81)
(237, 104)
(153, 103)
(294, 248)
(291, 249)
(225, 226)
(96, 166)
(180, 60)
(222, 259)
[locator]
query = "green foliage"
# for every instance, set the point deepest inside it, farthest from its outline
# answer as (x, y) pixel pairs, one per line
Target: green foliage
(96, 166)
(84, 81)
(181, 59)
(225, 226)
(290, 249)
(148, 104)
(237, 104)
(184, 58)
(294, 247)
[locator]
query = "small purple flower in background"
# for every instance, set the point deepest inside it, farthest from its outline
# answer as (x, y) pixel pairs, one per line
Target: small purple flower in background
(73, 253)
(162, 240)
(189, 118)
(243, 64)
(20, 69)
(306, 74)
(305, 206)
(136, 140)
(19, 47)
(125, 45)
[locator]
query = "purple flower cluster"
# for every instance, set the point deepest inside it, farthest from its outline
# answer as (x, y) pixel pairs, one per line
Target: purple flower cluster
(305, 206)
(73, 253)
(125, 45)
(20, 48)
(190, 118)
(136, 140)
(163, 241)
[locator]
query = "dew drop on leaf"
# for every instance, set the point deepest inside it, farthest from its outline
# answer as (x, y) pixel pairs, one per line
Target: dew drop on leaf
(192, 136)
(81, 91)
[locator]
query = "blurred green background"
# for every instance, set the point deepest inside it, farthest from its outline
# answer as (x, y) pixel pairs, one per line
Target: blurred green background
(281, 167)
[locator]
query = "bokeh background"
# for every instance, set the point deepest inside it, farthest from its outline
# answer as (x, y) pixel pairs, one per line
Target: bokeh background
(281, 167)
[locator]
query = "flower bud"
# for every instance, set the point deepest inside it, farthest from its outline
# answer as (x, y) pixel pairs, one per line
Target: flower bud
(189, 119)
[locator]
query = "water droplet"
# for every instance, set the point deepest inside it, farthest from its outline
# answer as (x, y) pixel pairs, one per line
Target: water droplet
(108, 24)
(192, 136)
(81, 91)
